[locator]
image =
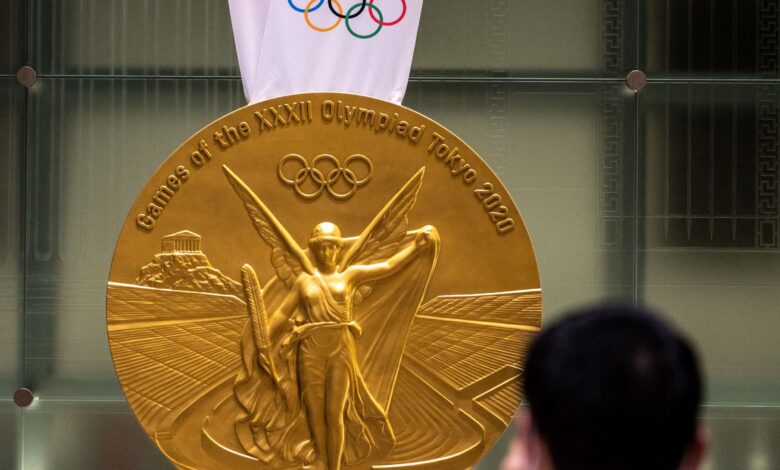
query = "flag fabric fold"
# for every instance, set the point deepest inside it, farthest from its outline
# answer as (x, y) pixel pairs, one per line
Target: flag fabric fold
(248, 18)
(296, 46)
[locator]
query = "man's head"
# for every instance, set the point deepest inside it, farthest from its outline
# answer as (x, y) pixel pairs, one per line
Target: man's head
(325, 243)
(614, 388)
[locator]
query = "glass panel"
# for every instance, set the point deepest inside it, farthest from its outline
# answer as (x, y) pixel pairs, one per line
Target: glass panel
(13, 44)
(566, 153)
(12, 122)
(194, 37)
(132, 37)
(709, 228)
(688, 223)
(700, 38)
(535, 38)
(10, 435)
(92, 145)
(87, 436)
(743, 437)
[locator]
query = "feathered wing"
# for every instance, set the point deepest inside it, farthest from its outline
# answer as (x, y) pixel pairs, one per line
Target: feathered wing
(287, 258)
(382, 237)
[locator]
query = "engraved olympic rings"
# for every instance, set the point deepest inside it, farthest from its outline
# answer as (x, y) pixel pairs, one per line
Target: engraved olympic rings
(324, 178)
(352, 12)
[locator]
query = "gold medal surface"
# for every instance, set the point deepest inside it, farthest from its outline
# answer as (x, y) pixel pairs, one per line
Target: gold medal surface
(323, 281)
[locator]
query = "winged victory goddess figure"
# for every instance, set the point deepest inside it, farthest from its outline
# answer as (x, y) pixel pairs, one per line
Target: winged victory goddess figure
(323, 344)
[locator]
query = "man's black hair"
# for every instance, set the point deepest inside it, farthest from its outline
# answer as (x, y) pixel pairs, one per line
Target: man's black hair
(613, 387)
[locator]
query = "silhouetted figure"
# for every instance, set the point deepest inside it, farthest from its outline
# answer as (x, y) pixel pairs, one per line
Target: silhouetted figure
(612, 387)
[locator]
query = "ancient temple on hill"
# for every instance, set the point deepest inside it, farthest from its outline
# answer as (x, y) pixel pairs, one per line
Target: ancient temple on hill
(181, 242)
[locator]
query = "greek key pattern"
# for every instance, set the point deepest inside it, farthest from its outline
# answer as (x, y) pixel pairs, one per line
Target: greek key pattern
(767, 135)
(325, 173)
(610, 126)
(768, 37)
(498, 94)
(612, 36)
(498, 44)
(610, 197)
(767, 168)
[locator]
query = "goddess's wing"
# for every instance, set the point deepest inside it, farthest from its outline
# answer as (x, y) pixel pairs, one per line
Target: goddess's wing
(287, 257)
(383, 237)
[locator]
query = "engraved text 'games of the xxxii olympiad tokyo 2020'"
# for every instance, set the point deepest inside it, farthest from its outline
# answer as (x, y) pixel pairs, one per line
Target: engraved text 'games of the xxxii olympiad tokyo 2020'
(323, 281)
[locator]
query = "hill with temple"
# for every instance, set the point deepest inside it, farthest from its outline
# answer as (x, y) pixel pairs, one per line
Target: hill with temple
(183, 266)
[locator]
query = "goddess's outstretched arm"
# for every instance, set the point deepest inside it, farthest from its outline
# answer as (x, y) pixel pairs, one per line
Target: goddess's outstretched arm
(368, 272)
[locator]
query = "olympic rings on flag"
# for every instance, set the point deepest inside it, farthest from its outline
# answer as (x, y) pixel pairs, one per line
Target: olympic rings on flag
(316, 28)
(303, 10)
(324, 178)
(388, 23)
(363, 36)
(338, 11)
(348, 15)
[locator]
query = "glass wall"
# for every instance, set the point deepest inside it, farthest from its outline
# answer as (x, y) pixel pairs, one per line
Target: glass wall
(666, 197)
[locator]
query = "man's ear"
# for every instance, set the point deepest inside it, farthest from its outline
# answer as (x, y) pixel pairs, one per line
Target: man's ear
(697, 450)
(534, 448)
(525, 426)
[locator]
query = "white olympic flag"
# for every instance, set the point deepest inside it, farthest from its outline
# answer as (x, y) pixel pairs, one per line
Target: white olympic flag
(296, 46)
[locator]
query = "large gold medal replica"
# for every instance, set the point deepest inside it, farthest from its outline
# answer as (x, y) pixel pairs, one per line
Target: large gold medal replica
(323, 281)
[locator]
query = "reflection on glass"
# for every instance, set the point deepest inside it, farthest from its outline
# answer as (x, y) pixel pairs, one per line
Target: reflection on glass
(10, 434)
(743, 437)
(536, 38)
(724, 38)
(710, 228)
(132, 37)
(711, 175)
(11, 234)
(12, 36)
